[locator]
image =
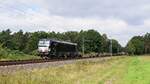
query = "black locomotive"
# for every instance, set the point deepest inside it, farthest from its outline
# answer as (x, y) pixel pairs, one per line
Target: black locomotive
(49, 48)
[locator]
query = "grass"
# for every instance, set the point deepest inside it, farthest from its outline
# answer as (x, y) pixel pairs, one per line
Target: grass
(138, 71)
(117, 70)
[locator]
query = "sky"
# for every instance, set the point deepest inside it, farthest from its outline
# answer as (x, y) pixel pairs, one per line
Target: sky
(119, 19)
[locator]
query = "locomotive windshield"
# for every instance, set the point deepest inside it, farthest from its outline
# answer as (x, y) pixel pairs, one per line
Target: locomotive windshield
(44, 43)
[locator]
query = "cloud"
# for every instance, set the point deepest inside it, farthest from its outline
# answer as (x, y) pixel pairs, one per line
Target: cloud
(119, 19)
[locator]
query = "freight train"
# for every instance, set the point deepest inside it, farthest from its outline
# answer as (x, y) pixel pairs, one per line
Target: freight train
(49, 48)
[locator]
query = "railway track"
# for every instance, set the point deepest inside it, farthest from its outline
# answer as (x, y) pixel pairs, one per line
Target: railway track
(19, 62)
(31, 61)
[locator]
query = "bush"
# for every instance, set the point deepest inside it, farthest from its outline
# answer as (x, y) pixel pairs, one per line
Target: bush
(35, 52)
(16, 52)
(7, 54)
(3, 52)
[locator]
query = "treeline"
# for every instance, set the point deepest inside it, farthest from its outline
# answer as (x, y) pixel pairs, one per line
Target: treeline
(27, 42)
(139, 45)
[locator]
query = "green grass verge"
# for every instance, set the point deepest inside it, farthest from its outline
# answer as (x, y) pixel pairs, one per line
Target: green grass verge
(118, 70)
(138, 71)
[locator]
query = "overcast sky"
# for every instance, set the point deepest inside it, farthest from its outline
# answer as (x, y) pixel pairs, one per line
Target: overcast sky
(119, 19)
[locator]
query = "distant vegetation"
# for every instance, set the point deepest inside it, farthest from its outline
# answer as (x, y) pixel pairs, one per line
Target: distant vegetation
(27, 42)
(139, 45)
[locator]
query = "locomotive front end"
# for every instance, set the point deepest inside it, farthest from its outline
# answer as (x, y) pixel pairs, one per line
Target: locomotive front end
(44, 47)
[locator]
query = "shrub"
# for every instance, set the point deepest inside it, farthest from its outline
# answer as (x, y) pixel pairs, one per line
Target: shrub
(3, 52)
(35, 53)
(7, 54)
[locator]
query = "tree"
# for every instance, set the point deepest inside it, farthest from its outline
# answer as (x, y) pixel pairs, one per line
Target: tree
(32, 43)
(116, 47)
(72, 36)
(147, 43)
(130, 48)
(105, 44)
(136, 45)
(18, 41)
(5, 38)
(93, 41)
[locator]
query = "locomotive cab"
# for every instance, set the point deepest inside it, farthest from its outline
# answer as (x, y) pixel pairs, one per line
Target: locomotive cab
(44, 47)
